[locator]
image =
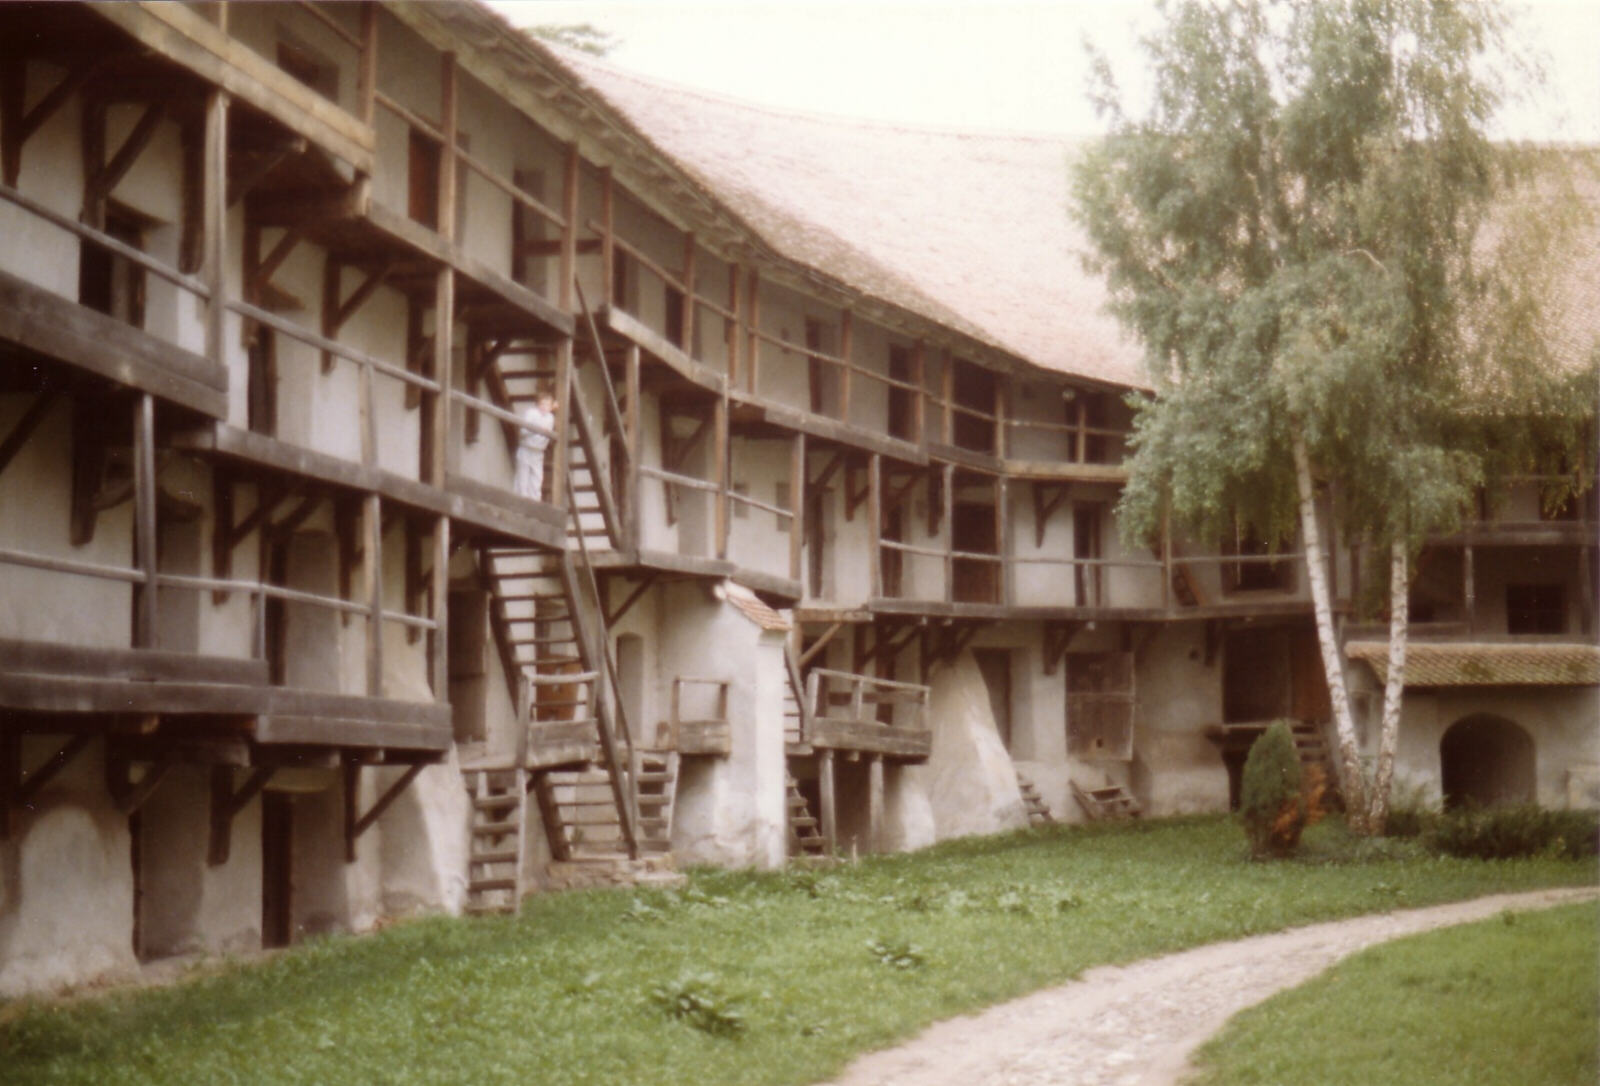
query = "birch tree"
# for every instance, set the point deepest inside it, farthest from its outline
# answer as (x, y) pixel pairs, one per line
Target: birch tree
(1340, 281)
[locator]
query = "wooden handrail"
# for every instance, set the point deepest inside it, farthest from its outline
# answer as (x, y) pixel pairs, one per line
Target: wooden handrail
(333, 347)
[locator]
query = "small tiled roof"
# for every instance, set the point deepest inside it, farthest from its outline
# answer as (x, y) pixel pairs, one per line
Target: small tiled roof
(1480, 664)
(751, 606)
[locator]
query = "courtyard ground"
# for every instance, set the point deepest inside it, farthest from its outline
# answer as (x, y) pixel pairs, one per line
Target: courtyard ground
(738, 977)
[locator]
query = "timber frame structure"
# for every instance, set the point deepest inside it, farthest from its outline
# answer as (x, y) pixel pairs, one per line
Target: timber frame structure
(282, 280)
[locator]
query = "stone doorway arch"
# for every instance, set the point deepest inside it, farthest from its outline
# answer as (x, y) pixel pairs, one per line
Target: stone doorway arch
(1486, 761)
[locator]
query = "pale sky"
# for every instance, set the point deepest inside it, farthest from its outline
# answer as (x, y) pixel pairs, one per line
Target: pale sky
(1006, 64)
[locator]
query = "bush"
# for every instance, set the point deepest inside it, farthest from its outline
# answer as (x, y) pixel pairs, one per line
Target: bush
(1503, 833)
(1278, 798)
(1408, 822)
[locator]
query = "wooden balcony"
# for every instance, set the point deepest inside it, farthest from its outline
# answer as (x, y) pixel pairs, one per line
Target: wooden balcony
(848, 710)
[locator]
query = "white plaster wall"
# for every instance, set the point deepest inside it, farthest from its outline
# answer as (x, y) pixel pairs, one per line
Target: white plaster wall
(971, 783)
(52, 173)
(1177, 770)
(869, 399)
(758, 539)
(730, 811)
(35, 517)
(1037, 584)
(1561, 721)
(783, 374)
(1496, 568)
(908, 818)
(423, 840)
(66, 895)
(189, 906)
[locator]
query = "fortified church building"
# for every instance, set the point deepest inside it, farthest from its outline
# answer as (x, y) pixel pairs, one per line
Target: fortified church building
(824, 554)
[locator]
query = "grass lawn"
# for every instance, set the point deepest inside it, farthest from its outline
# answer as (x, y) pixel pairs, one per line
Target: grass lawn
(738, 978)
(1512, 1001)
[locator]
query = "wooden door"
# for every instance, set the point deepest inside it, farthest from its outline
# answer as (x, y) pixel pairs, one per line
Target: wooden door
(277, 851)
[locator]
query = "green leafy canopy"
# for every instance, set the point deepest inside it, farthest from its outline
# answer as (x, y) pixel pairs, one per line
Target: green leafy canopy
(1314, 235)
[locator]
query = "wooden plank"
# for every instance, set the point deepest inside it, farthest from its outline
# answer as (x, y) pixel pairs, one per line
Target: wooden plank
(85, 694)
(447, 146)
(753, 335)
(797, 504)
(567, 265)
(50, 325)
(438, 643)
(663, 349)
(439, 439)
(46, 658)
(875, 523)
(720, 473)
(868, 736)
(846, 335)
(186, 38)
(818, 426)
(632, 506)
(707, 737)
(280, 729)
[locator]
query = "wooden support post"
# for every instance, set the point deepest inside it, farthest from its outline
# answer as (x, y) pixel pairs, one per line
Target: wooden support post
(13, 106)
(688, 294)
(797, 503)
(735, 302)
(1002, 385)
(634, 422)
(1080, 452)
(1002, 537)
(144, 490)
(214, 195)
(368, 417)
(569, 231)
(559, 452)
(355, 823)
(752, 337)
(875, 520)
(947, 380)
(719, 452)
(438, 645)
(608, 238)
(10, 776)
(846, 371)
(919, 405)
(950, 533)
(372, 589)
(436, 420)
(367, 73)
(829, 812)
(875, 841)
(1469, 588)
(447, 151)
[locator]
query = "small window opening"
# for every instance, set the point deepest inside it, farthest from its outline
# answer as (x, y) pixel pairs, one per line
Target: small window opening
(1535, 609)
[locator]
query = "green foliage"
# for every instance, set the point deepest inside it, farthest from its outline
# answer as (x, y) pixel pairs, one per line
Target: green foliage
(700, 1000)
(1503, 1002)
(1503, 833)
(563, 992)
(1272, 803)
(1315, 239)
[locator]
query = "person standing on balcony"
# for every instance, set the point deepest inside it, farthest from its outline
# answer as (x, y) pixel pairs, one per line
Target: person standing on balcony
(539, 428)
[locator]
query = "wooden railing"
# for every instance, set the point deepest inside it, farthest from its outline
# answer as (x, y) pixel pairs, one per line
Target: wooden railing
(845, 710)
(708, 733)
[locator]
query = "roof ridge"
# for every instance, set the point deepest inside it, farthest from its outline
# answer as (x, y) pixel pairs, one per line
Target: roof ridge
(578, 58)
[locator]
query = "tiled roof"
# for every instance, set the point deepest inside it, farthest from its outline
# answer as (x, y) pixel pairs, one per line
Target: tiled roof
(968, 229)
(751, 606)
(1479, 664)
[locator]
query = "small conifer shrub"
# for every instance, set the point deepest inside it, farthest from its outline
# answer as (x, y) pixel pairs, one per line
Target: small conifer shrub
(1273, 798)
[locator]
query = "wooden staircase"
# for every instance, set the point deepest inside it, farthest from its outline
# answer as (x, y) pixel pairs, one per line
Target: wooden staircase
(1032, 803)
(1108, 803)
(805, 838)
(495, 871)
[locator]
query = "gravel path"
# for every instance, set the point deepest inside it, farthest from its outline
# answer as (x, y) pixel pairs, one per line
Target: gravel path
(1138, 1023)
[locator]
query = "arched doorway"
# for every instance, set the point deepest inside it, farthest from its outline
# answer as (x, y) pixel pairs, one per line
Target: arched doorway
(1486, 761)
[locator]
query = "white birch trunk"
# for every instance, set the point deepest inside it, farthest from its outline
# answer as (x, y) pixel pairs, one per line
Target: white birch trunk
(1350, 776)
(1394, 686)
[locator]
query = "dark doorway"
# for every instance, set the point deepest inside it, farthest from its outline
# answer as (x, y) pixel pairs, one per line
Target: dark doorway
(819, 372)
(972, 529)
(816, 537)
(973, 411)
(995, 664)
(136, 862)
(277, 836)
(1486, 761)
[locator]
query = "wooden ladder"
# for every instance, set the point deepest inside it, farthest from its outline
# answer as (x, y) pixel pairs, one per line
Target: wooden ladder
(495, 876)
(1038, 812)
(540, 627)
(805, 839)
(1108, 803)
